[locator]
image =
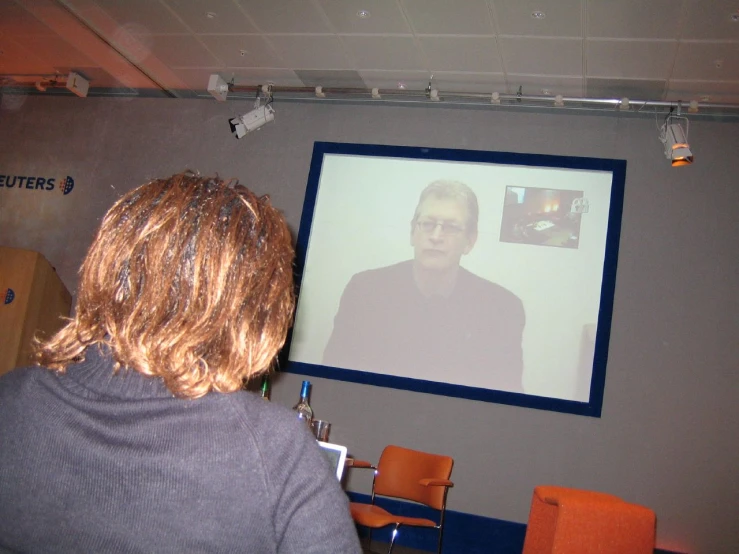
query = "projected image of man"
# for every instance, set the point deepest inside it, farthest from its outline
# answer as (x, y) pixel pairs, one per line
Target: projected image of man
(428, 317)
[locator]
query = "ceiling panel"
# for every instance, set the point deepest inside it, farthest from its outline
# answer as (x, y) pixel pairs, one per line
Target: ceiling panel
(471, 54)
(212, 16)
(151, 15)
(197, 77)
(14, 21)
(386, 52)
(329, 78)
(413, 80)
(442, 17)
(631, 59)
(182, 51)
(701, 61)
(384, 17)
(242, 50)
(242, 76)
(627, 47)
(544, 56)
(281, 77)
(310, 52)
(15, 58)
(546, 85)
(483, 83)
(703, 91)
(646, 89)
(711, 20)
(56, 51)
(643, 19)
(562, 18)
(286, 16)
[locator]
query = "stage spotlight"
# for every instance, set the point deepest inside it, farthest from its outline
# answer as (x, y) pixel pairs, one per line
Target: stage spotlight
(252, 121)
(674, 135)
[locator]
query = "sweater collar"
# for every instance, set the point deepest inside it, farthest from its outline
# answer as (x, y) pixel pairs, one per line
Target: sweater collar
(95, 375)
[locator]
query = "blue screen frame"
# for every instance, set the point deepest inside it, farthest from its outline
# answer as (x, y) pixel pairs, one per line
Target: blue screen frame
(617, 168)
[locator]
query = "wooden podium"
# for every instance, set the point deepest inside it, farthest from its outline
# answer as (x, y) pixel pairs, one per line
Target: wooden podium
(33, 301)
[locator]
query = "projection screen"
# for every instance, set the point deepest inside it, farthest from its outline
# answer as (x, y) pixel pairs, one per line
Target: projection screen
(404, 291)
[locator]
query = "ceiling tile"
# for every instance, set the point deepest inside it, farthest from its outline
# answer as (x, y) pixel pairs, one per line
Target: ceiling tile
(703, 91)
(15, 58)
(711, 20)
(461, 54)
(442, 17)
(152, 17)
(198, 78)
(310, 52)
(542, 56)
(253, 77)
(182, 51)
(545, 85)
(285, 16)
(15, 21)
(56, 51)
(226, 17)
(634, 19)
(242, 50)
(563, 18)
(699, 60)
(482, 83)
(630, 88)
(389, 80)
(385, 17)
(330, 79)
(633, 59)
(387, 52)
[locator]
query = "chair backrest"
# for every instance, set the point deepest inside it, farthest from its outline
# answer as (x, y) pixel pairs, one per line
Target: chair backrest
(400, 470)
(581, 522)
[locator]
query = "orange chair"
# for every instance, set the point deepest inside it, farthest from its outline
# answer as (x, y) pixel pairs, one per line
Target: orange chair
(407, 475)
(572, 521)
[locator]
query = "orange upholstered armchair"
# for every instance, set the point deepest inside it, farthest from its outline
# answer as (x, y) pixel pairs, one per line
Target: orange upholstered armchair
(572, 521)
(408, 475)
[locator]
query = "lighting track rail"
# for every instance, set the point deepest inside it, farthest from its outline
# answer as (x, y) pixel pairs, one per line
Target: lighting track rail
(322, 94)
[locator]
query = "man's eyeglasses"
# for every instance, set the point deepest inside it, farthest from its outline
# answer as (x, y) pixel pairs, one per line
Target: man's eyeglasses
(446, 229)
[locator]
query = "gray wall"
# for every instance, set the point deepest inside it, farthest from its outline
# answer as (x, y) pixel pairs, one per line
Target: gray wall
(667, 437)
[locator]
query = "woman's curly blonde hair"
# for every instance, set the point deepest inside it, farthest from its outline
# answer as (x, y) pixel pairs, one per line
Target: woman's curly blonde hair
(189, 279)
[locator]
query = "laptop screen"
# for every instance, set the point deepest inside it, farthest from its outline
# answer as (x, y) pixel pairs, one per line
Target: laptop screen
(336, 456)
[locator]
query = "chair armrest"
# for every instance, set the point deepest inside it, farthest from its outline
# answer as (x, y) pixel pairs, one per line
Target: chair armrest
(436, 483)
(361, 464)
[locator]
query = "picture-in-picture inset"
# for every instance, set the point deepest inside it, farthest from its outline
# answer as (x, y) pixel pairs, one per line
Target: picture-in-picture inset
(545, 217)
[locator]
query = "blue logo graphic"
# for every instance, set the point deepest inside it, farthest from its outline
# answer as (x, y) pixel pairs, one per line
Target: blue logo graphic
(9, 295)
(26, 182)
(67, 185)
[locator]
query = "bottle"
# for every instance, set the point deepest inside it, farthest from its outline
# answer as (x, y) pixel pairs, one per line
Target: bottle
(303, 409)
(265, 388)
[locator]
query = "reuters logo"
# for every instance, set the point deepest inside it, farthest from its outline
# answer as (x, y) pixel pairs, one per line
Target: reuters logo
(8, 296)
(36, 183)
(66, 185)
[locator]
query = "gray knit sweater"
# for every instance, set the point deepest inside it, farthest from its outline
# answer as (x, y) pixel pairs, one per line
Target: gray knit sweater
(92, 461)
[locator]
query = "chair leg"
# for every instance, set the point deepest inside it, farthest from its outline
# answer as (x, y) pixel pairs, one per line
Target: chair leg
(441, 534)
(392, 538)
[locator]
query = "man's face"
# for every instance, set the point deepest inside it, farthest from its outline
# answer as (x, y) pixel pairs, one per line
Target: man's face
(439, 236)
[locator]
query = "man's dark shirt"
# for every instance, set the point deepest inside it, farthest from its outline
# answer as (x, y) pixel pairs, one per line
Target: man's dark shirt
(471, 337)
